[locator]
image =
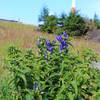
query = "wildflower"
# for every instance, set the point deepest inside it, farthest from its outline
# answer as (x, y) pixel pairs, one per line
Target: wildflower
(65, 35)
(48, 43)
(59, 38)
(50, 49)
(49, 46)
(63, 45)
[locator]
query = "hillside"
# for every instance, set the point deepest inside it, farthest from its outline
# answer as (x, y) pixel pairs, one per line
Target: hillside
(19, 34)
(28, 76)
(25, 36)
(94, 35)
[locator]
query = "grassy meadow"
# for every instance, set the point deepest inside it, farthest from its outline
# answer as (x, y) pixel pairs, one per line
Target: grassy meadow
(25, 36)
(20, 35)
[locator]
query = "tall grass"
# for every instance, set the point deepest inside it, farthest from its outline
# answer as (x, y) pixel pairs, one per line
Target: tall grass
(33, 69)
(19, 34)
(82, 43)
(57, 74)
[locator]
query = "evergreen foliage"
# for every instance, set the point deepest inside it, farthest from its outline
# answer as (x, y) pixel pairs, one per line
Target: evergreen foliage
(74, 24)
(97, 21)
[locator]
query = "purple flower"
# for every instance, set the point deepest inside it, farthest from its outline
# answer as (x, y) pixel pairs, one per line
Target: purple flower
(50, 49)
(59, 38)
(63, 45)
(65, 35)
(48, 43)
(49, 46)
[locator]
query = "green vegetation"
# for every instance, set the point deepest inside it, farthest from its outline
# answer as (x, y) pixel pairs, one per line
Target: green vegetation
(49, 21)
(54, 69)
(97, 21)
(15, 25)
(18, 34)
(74, 24)
(56, 73)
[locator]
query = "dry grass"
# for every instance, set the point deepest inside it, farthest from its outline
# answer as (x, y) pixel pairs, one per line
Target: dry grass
(81, 43)
(25, 36)
(18, 34)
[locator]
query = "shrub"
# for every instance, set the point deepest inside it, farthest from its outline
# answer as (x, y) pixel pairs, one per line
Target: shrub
(65, 75)
(7, 88)
(49, 21)
(75, 25)
(21, 65)
(97, 21)
(50, 24)
(44, 14)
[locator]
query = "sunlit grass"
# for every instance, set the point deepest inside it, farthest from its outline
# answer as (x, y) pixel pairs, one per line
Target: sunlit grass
(20, 35)
(25, 36)
(17, 25)
(81, 43)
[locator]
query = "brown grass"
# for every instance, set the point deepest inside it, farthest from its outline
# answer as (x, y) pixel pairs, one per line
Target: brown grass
(25, 36)
(19, 34)
(81, 43)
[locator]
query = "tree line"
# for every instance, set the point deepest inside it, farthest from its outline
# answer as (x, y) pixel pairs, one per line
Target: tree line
(74, 24)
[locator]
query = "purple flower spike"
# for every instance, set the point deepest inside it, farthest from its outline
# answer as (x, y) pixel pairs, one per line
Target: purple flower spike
(59, 38)
(65, 35)
(63, 43)
(48, 43)
(50, 49)
(61, 47)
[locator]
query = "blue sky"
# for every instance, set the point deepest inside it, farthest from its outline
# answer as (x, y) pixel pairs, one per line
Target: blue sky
(28, 10)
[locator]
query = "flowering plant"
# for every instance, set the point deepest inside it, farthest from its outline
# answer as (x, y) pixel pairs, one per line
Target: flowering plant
(56, 73)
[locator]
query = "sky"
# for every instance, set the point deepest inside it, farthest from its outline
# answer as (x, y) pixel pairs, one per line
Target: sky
(28, 11)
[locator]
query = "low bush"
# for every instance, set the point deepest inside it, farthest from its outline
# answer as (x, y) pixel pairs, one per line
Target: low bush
(74, 24)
